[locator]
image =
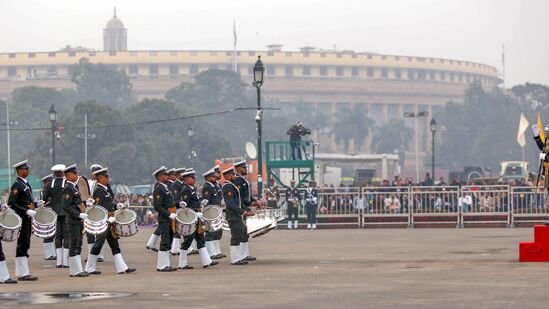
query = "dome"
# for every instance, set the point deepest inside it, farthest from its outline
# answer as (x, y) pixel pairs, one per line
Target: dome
(115, 23)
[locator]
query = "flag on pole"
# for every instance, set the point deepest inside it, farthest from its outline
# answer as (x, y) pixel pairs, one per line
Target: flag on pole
(234, 33)
(540, 126)
(523, 125)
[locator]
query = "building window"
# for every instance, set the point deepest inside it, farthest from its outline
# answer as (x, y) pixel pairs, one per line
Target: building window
(193, 68)
(370, 72)
(72, 54)
(443, 76)
(174, 69)
(153, 69)
(52, 72)
(323, 70)
(452, 77)
(12, 71)
(51, 54)
(12, 55)
(289, 70)
(421, 74)
(398, 74)
(460, 78)
(384, 73)
(354, 71)
(133, 69)
(269, 70)
(306, 70)
(339, 71)
(411, 75)
(32, 55)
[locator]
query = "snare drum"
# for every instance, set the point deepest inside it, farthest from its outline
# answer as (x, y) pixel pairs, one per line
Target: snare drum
(44, 223)
(125, 222)
(185, 221)
(10, 225)
(96, 223)
(213, 218)
(258, 222)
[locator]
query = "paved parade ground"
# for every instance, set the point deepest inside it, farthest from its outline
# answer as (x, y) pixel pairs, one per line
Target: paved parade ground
(367, 268)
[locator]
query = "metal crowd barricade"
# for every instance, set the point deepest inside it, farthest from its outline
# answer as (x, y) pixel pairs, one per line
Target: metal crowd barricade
(529, 206)
(485, 204)
(434, 205)
(384, 206)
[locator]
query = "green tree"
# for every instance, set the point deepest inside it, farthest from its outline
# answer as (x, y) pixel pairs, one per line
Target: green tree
(391, 136)
(101, 83)
(352, 125)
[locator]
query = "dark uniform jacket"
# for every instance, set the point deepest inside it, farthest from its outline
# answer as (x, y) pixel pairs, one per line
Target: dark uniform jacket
(71, 203)
(231, 195)
(292, 192)
(175, 190)
(103, 197)
(54, 193)
(20, 198)
(188, 195)
(310, 194)
(244, 188)
(211, 193)
(162, 201)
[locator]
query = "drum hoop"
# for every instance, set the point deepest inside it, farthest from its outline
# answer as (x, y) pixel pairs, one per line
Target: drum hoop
(34, 220)
(19, 221)
(219, 214)
(188, 210)
(133, 213)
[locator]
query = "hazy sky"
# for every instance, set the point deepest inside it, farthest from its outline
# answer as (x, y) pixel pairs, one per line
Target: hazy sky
(462, 29)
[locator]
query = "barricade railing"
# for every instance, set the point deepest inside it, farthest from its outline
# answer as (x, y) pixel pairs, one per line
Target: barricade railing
(529, 205)
(384, 206)
(434, 205)
(482, 204)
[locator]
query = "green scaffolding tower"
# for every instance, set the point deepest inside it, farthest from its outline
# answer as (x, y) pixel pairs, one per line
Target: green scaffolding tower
(278, 156)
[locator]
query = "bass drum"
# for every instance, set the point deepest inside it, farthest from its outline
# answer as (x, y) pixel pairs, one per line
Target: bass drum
(84, 188)
(44, 223)
(125, 222)
(10, 225)
(185, 221)
(96, 223)
(213, 218)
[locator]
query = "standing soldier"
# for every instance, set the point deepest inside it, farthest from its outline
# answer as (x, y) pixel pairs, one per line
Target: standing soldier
(54, 194)
(175, 189)
(74, 208)
(188, 195)
(49, 247)
(311, 204)
(22, 201)
(163, 204)
(210, 196)
(292, 202)
(247, 203)
(235, 214)
(102, 196)
(5, 277)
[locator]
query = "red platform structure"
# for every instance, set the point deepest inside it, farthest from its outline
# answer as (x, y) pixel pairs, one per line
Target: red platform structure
(537, 251)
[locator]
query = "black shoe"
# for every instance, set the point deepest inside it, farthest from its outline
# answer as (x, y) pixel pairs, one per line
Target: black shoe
(216, 257)
(186, 267)
(51, 258)
(250, 258)
(241, 262)
(127, 271)
(58, 266)
(9, 281)
(151, 248)
(221, 255)
(194, 251)
(211, 264)
(81, 274)
(174, 254)
(167, 268)
(100, 260)
(95, 272)
(28, 278)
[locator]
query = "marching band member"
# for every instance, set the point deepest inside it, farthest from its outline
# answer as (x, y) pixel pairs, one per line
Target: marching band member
(5, 277)
(190, 200)
(54, 194)
(217, 237)
(102, 196)
(163, 204)
(175, 190)
(72, 204)
(92, 183)
(22, 201)
(210, 196)
(235, 213)
(49, 247)
(247, 202)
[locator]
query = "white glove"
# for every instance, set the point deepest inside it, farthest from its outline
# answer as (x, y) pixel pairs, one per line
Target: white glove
(4, 207)
(542, 156)
(149, 212)
(83, 216)
(173, 216)
(535, 129)
(90, 202)
(111, 219)
(40, 203)
(182, 204)
(204, 203)
(119, 206)
(31, 213)
(199, 215)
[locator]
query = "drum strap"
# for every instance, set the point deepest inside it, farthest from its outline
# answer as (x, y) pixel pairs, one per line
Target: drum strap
(173, 210)
(112, 226)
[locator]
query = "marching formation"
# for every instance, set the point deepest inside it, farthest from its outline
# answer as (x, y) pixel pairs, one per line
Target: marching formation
(71, 206)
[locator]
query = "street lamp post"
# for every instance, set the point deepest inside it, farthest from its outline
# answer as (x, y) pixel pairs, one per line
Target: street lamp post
(86, 136)
(190, 133)
(259, 71)
(414, 115)
(433, 127)
(8, 123)
(53, 119)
